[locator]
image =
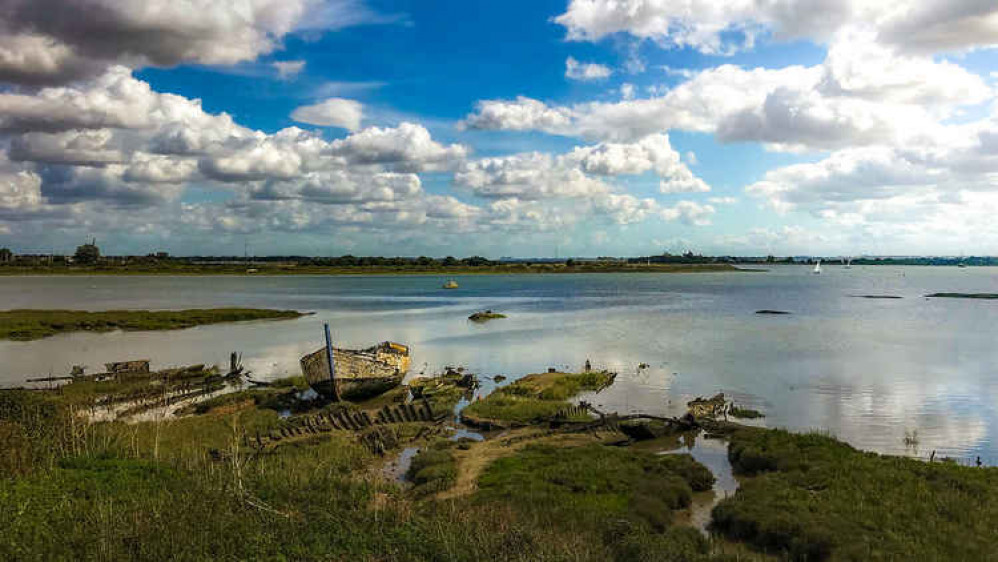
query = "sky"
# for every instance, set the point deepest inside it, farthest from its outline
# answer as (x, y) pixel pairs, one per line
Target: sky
(516, 128)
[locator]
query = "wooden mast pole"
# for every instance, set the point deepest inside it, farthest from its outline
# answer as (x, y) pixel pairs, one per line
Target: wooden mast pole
(332, 366)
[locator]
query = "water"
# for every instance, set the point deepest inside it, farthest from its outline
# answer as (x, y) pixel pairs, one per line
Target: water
(712, 453)
(864, 370)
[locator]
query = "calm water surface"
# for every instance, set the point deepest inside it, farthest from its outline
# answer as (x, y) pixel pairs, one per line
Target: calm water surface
(864, 370)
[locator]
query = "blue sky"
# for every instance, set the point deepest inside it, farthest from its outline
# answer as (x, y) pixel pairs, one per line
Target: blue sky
(512, 128)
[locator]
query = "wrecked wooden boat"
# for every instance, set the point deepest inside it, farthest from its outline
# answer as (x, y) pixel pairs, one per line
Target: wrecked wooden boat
(358, 373)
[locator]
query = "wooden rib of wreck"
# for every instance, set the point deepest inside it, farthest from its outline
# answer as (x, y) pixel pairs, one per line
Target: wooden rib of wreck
(359, 373)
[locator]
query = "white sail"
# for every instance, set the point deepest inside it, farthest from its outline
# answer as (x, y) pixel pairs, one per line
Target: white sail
(817, 267)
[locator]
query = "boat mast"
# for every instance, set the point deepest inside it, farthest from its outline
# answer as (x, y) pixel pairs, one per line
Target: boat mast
(332, 366)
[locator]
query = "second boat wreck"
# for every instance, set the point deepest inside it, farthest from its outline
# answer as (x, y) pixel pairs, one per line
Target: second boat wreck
(356, 373)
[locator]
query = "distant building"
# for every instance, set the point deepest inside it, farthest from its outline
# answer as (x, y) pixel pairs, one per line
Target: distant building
(87, 254)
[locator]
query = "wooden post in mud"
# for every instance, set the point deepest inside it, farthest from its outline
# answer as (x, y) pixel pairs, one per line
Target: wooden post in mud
(332, 367)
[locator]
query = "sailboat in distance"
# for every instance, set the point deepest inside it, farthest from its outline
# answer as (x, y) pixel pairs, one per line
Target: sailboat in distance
(817, 267)
(848, 263)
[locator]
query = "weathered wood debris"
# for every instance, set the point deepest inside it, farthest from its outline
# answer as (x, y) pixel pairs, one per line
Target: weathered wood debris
(348, 420)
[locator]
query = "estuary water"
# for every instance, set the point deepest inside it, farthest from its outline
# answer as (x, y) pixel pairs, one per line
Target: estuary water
(866, 370)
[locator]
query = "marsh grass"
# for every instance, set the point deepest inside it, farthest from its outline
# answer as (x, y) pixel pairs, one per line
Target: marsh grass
(621, 500)
(433, 469)
(744, 413)
(156, 491)
(534, 398)
(814, 498)
(36, 324)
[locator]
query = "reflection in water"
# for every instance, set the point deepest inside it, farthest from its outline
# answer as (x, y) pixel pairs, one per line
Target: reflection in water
(712, 453)
(865, 370)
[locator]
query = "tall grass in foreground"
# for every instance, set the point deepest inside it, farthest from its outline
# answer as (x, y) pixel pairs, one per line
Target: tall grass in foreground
(189, 490)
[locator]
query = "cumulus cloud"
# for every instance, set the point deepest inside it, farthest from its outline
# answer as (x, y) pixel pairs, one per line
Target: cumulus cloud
(111, 141)
(408, 147)
(863, 93)
(526, 176)
(709, 25)
(521, 114)
(650, 153)
(582, 172)
(341, 187)
(20, 191)
(56, 41)
(888, 183)
(689, 212)
(333, 112)
(113, 100)
(575, 70)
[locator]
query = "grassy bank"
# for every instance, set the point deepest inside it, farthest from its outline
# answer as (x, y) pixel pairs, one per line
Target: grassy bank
(194, 488)
(810, 497)
(264, 269)
(533, 398)
(26, 325)
(189, 489)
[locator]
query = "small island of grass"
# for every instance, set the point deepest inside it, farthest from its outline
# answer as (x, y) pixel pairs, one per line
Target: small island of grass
(25, 325)
(983, 296)
(744, 413)
(532, 398)
(485, 316)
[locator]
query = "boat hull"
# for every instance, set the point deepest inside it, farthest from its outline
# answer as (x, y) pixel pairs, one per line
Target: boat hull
(359, 373)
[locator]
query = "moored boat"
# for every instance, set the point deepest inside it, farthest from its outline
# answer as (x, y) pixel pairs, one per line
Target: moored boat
(450, 284)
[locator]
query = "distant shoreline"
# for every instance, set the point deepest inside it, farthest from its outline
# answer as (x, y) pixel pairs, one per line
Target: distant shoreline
(263, 270)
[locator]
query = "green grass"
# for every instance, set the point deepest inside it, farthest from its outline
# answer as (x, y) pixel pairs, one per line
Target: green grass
(26, 325)
(533, 398)
(745, 413)
(433, 469)
(485, 316)
(623, 500)
(152, 492)
(814, 498)
(188, 489)
(984, 296)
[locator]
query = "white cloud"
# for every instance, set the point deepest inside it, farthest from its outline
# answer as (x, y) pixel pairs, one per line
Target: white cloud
(582, 172)
(526, 176)
(575, 70)
(625, 208)
(689, 212)
(83, 147)
(912, 25)
(288, 69)
(69, 39)
(408, 147)
(722, 200)
(20, 191)
(333, 112)
(521, 114)
(862, 94)
(113, 100)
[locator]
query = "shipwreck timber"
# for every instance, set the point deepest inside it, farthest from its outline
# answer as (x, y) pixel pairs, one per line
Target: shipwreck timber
(356, 373)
